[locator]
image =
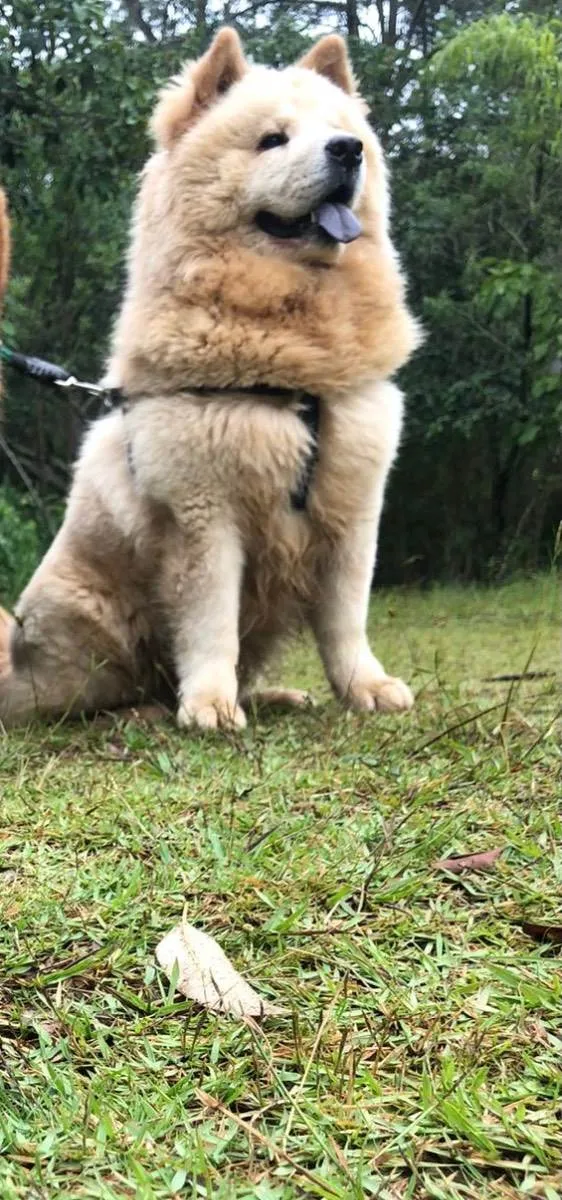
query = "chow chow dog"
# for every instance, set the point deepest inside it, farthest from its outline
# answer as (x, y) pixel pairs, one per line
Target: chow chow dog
(236, 493)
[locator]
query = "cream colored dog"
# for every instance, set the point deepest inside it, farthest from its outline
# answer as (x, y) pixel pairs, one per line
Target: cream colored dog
(260, 273)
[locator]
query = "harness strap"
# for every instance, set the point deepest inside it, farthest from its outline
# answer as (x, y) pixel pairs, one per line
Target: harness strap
(309, 406)
(309, 414)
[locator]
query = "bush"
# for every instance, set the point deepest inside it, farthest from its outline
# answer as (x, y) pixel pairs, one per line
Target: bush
(19, 545)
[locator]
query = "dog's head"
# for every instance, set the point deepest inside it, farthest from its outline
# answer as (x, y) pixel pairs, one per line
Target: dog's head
(260, 178)
(283, 160)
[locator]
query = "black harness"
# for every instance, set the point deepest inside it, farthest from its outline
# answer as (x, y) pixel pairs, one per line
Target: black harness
(310, 415)
(308, 410)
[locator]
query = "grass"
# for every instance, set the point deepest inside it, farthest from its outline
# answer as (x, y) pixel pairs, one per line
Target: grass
(421, 1051)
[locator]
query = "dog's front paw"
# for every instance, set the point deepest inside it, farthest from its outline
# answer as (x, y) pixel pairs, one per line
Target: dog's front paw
(385, 694)
(210, 711)
(218, 714)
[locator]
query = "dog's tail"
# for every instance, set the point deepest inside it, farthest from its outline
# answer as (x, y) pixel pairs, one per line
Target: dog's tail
(17, 696)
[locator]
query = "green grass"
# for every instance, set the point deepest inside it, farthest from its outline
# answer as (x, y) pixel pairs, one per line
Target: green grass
(421, 1053)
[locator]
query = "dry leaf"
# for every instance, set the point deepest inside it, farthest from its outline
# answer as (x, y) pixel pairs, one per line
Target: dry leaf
(116, 751)
(543, 933)
(468, 862)
(206, 975)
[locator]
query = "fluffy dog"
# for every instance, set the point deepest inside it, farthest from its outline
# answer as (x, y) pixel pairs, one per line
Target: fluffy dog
(208, 517)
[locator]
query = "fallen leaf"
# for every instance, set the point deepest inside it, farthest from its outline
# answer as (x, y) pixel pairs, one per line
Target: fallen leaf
(537, 1032)
(480, 1001)
(468, 862)
(116, 751)
(204, 973)
(542, 933)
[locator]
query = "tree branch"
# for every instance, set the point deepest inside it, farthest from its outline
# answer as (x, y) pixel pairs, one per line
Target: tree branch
(413, 21)
(136, 16)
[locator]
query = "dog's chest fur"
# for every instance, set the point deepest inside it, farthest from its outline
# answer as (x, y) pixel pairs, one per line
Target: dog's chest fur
(241, 461)
(231, 466)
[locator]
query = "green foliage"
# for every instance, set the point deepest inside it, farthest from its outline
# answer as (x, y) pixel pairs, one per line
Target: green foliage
(477, 209)
(467, 101)
(519, 60)
(19, 545)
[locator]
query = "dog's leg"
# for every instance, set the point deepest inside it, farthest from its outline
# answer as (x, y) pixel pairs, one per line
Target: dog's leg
(201, 583)
(256, 651)
(340, 621)
(278, 698)
(340, 618)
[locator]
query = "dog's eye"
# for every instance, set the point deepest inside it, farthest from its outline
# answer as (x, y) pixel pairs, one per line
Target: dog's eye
(271, 140)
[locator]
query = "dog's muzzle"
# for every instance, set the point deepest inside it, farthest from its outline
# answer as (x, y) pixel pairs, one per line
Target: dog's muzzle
(347, 152)
(333, 218)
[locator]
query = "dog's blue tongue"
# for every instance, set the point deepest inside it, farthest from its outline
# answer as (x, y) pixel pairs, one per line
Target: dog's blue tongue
(338, 221)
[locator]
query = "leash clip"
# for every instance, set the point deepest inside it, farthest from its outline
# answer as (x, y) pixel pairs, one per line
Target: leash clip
(73, 382)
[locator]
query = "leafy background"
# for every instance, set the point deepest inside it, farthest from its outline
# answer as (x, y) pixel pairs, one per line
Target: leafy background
(467, 101)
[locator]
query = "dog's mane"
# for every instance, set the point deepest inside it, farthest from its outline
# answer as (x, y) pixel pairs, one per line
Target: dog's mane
(236, 317)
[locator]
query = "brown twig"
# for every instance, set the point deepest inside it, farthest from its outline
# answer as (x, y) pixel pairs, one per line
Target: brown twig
(515, 677)
(276, 1151)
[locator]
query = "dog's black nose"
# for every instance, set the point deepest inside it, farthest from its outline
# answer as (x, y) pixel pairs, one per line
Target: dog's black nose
(346, 150)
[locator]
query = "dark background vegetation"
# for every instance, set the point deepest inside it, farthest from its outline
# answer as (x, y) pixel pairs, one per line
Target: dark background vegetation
(466, 98)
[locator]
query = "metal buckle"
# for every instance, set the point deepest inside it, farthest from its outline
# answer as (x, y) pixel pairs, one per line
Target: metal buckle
(94, 388)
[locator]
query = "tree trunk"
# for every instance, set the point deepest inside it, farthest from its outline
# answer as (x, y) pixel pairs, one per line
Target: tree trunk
(136, 17)
(352, 18)
(201, 17)
(503, 468)
(382, 23)
(532, 235)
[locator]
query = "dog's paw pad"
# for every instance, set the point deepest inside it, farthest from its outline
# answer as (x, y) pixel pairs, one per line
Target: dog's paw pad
(393, 695)
(388, 694)
(210, 716)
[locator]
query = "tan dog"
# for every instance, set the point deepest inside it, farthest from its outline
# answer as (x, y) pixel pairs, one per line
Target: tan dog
(260, 259)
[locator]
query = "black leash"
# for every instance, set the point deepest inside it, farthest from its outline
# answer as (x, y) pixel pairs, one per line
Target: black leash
(309, 406)
(50, 373)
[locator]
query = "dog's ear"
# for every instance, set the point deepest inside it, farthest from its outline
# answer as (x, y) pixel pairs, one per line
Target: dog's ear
(329, 57)
(198, 87)
(4, 243)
